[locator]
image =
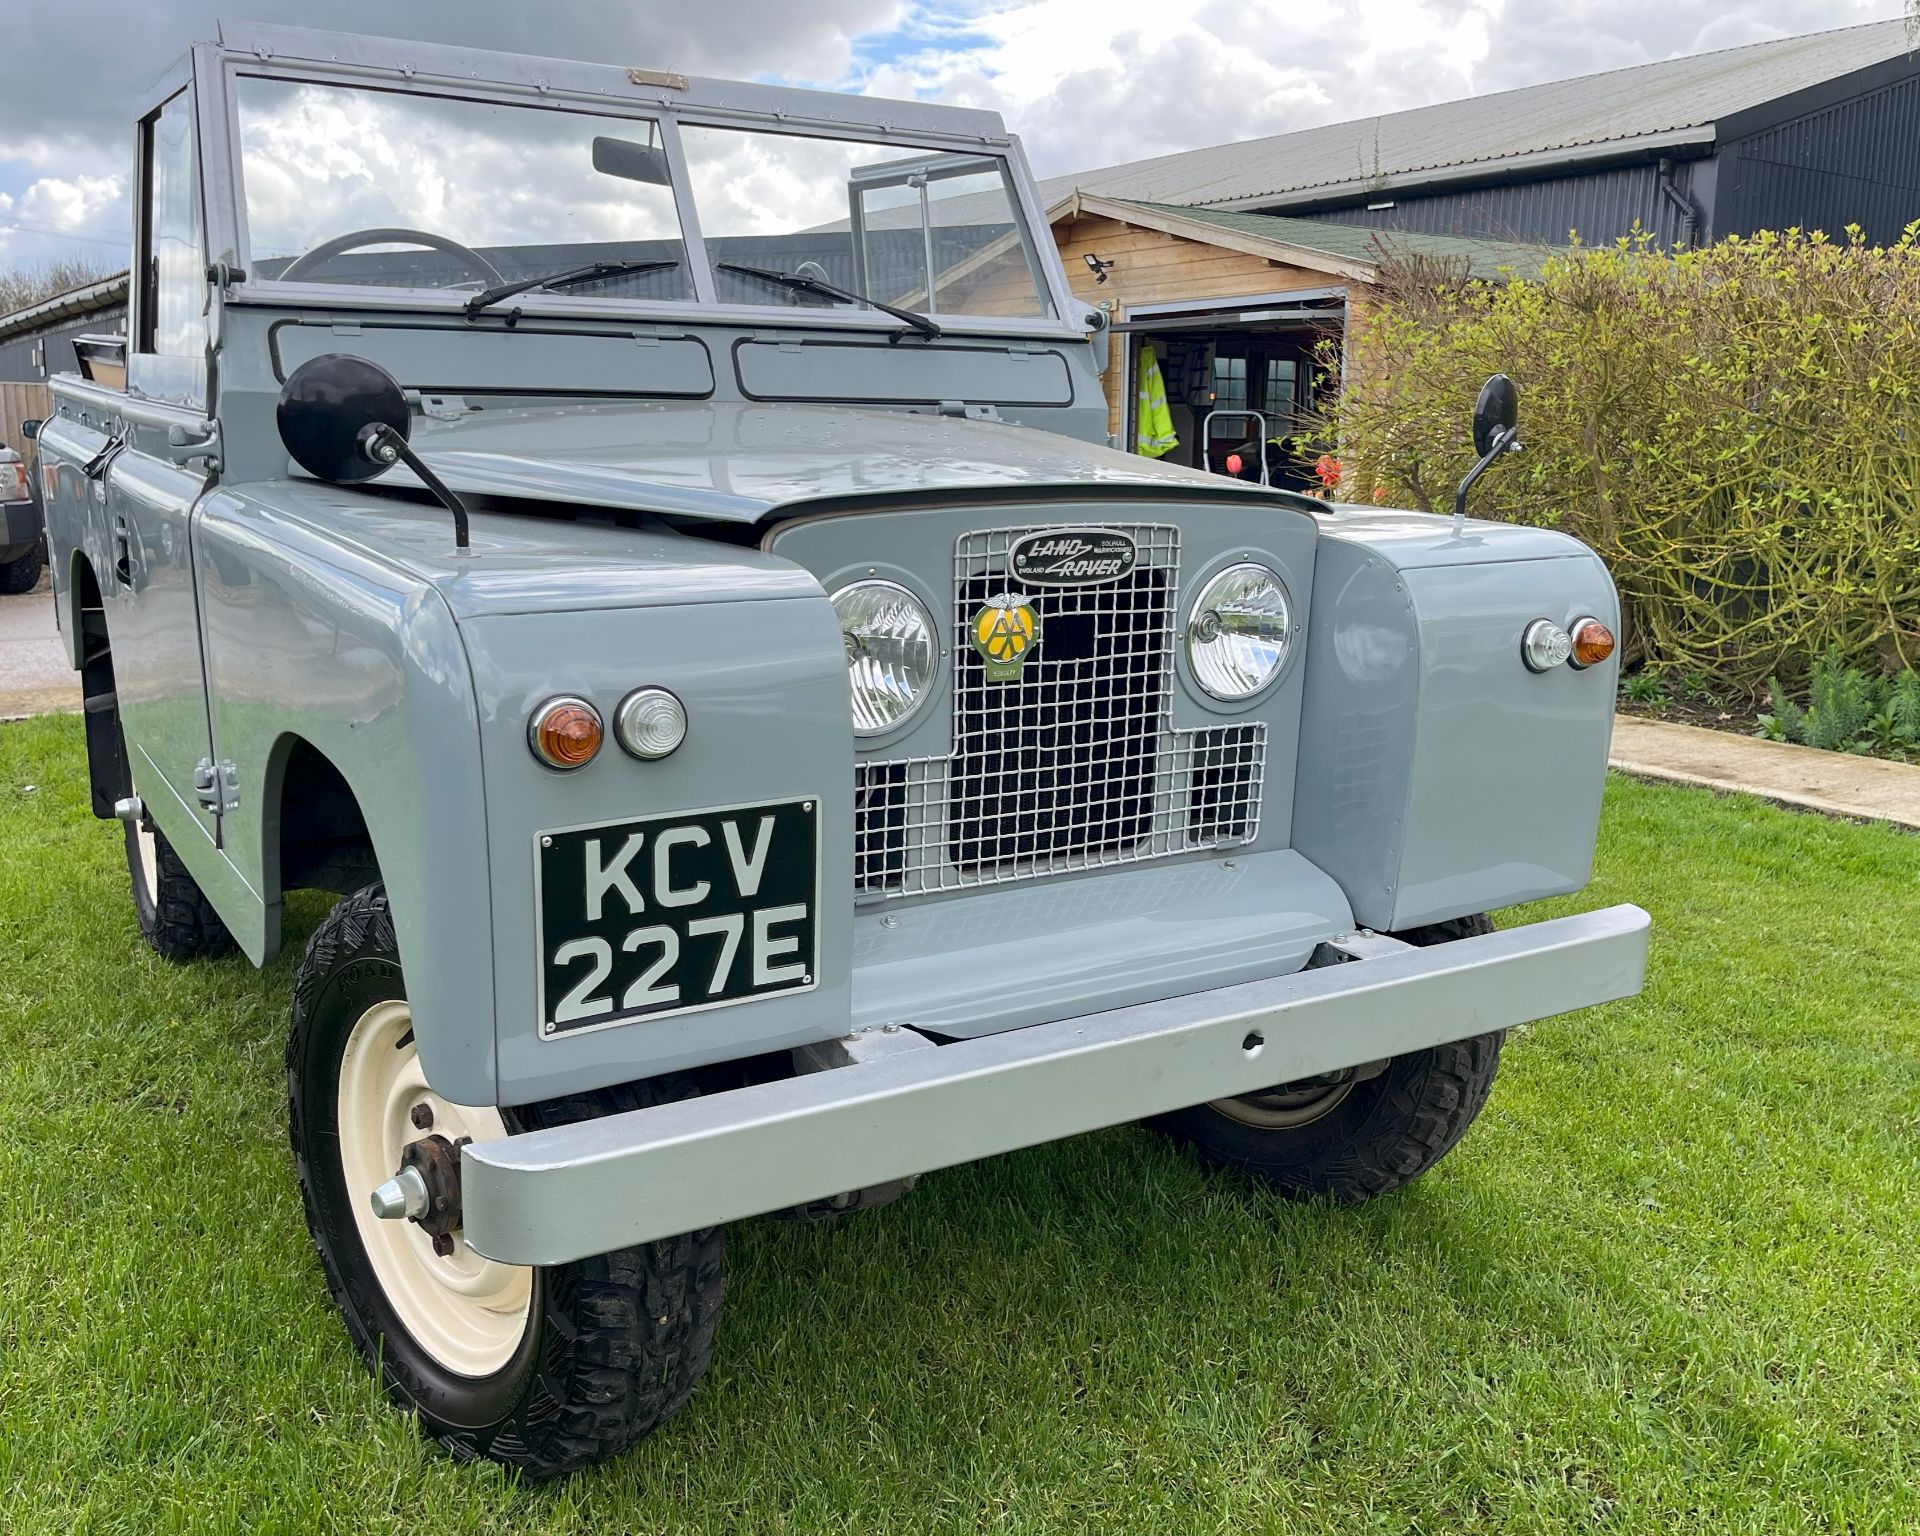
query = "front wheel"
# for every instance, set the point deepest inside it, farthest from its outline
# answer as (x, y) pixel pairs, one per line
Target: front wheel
(1347, 1135)
(546, 1369)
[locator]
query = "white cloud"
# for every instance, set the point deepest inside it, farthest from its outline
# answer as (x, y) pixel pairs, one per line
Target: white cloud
(82, 204)
(1091, 83)
(1087, 83)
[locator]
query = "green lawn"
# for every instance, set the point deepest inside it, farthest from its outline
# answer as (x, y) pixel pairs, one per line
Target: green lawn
(1671, 1281)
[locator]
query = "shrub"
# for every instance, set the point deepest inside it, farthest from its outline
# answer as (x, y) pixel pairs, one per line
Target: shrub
(1647, 687)
(1736, 430)
(1848, 710)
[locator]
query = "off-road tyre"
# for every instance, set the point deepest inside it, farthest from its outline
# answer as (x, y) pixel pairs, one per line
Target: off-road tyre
(614, 1344)
(1377, 1133)
(175, 916)
(23, 574)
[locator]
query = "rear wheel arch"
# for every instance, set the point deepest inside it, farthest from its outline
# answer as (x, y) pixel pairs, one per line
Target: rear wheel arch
(91, 648)
(81, 598)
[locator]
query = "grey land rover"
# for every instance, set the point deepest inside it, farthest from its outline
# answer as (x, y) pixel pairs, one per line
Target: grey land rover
(650, 545)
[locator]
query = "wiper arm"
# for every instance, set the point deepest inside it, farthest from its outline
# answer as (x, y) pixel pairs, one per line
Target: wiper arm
(586, 274)
(804, 284)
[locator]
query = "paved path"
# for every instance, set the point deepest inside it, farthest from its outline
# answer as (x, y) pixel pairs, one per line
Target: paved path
(34, 676)
(1866, 788)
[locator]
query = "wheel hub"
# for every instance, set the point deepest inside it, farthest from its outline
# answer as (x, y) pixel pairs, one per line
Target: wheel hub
(437, 1162)
(143, 839)
(467, 1311)
(1291, 1104)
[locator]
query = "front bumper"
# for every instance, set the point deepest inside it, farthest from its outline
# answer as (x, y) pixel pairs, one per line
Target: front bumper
(903, 1105)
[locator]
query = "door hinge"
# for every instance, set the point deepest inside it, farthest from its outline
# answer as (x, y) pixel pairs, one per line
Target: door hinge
(217, 785)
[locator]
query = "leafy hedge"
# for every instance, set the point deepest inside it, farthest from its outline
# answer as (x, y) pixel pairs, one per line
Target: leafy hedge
(1736, 430)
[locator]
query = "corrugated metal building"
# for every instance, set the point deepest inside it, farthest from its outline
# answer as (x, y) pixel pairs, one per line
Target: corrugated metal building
(1815, 132)
(37, 341)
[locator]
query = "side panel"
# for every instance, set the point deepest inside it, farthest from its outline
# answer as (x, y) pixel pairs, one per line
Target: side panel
(1509, 765)
(312, 639)
(1438, 776)
(76, 511)
(154, 626)
(764, 685)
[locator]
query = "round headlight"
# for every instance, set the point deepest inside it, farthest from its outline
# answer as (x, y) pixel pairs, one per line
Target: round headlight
(1239, 632)
(891, 652)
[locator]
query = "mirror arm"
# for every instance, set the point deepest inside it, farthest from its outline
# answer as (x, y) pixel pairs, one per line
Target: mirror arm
(1506, 440)
(380, 443)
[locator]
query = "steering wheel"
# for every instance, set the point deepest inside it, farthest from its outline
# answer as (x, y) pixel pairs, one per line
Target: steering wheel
(326, 250)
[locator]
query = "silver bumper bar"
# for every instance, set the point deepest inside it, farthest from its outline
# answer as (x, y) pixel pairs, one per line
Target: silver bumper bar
(555, 1195)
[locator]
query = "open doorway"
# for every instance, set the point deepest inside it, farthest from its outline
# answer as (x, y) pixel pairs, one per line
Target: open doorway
(1242, 381)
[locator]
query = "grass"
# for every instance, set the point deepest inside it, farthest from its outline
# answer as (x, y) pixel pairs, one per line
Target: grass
(1669, 1283)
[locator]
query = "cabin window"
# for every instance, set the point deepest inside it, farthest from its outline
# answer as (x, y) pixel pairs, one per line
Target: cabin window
(173, 303)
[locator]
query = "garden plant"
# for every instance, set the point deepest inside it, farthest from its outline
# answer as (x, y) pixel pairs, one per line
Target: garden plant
(1736, 430)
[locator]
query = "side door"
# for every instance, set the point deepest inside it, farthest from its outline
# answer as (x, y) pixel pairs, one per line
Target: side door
(152, 621)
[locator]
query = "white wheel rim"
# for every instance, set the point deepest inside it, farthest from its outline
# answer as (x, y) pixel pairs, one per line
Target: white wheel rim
(467, 1312)
(149, 857)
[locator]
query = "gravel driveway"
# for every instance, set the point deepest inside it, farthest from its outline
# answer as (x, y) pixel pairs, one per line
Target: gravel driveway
(34, 676)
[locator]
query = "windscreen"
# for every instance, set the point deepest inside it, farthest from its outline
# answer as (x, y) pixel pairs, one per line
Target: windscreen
(350, 184)
(936, 234)
(345, 184)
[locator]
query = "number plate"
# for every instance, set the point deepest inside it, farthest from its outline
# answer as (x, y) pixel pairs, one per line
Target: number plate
(672, 914)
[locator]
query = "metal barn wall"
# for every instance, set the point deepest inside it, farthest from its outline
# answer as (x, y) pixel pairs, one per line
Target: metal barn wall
(1857, 162)
(54, 345)
(1602, 205)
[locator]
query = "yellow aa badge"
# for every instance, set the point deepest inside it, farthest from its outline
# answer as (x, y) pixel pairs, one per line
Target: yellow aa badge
(1004, 633)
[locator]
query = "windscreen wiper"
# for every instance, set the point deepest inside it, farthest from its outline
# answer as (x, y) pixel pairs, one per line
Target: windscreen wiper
(566, 279)
(805, 284)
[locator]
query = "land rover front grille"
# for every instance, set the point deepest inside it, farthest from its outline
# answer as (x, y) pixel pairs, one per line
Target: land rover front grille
(1072, 762)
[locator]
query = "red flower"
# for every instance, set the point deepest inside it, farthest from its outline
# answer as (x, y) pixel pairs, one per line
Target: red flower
(1327, 467)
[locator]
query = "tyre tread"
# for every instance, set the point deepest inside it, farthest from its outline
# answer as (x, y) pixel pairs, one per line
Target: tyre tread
(183, 924)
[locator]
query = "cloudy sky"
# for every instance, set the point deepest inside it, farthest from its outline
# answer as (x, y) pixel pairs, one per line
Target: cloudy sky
(1087, 83)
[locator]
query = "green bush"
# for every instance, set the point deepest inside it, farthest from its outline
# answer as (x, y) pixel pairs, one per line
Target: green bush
(1848, 710)
(1736, 430)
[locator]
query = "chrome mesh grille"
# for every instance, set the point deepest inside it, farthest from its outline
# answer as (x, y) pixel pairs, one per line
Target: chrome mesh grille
(1073, 764)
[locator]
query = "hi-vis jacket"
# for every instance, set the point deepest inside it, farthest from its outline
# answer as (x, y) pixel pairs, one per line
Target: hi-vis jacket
(1154, 435)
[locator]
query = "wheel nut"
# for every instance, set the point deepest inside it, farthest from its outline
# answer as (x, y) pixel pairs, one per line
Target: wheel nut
(422, 1116)
(443, 1244)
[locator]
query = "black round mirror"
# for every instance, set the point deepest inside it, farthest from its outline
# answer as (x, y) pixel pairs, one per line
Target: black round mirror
(1496, 411)
(326, 406)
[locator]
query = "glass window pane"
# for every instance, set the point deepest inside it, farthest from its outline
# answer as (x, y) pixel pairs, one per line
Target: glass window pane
(1230, 384)
(980, 262)
(784, 202)
(176, 272)
(1282, 374)
(525, 190)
